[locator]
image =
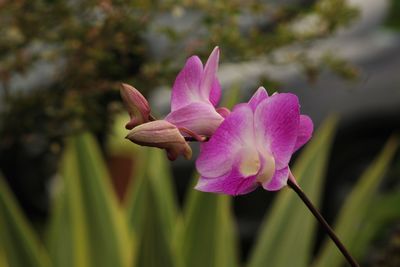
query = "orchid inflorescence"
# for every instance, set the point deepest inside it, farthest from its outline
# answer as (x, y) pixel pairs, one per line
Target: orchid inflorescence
(241, 149)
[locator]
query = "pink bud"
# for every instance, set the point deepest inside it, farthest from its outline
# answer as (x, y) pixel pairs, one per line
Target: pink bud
(161, 134)
(136, 104)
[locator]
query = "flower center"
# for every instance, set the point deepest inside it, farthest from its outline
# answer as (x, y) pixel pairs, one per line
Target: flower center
(268, 168)
(250, 162)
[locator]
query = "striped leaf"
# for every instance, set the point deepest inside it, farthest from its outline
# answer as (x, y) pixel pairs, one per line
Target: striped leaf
(19, 244)
(88, 227)
(357, 207)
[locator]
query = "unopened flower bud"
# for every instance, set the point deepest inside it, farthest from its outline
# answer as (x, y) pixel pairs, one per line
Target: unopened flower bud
(136, 104)
(161, 134)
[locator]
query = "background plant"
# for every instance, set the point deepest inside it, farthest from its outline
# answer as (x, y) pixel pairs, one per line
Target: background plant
(89, 228)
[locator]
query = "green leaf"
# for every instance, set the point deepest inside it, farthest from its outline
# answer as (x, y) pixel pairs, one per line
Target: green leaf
(152, 208)
(3, 258)
(60, 240)
(288, 231)
(155, 247)
(17, 238)
(227, 242)
(88, 227)
(385, 210)
(208, 237)
(385, 207)
(357, 206)
(136, 198)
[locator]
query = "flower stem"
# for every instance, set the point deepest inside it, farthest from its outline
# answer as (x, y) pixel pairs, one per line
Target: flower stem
(293, 185)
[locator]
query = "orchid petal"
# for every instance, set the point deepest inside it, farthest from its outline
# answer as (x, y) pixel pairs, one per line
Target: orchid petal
(209, 85)
(277, 181)
(198, 117)
(193, 84)
(260, 95)
(276, 126)
(215, 94)
(187, 83)
(219, 153)
(232, 184)
(241, 179)
(305, 131)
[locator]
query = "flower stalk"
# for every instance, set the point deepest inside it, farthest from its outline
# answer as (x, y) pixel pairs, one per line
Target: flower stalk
(322, 221)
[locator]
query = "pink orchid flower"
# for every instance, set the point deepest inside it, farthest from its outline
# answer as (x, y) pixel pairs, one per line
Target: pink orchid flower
(253, 145)
(195, 94)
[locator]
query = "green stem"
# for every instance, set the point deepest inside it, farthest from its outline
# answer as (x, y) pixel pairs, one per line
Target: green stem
(293, 185)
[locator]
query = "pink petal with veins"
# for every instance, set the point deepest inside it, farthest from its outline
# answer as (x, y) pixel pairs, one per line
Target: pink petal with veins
(209, 85)
(232, 184)
(276, 126)
(260, 95)
(218, 154)
(195, 84)
(305, 131)
(187, 84)
(215, 94)
(277, 181)
(198, 117)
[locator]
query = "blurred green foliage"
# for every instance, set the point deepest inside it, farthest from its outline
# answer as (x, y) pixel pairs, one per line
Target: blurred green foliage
(393, 18)
(88, 228)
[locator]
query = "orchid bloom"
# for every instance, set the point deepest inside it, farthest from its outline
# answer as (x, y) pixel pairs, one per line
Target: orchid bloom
(253, 145)
(195, 94)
